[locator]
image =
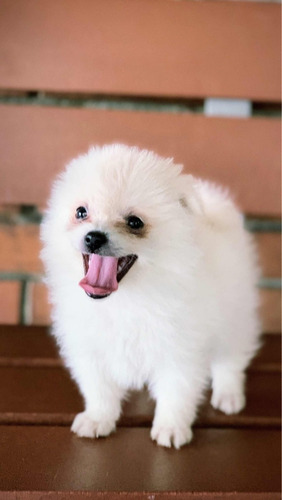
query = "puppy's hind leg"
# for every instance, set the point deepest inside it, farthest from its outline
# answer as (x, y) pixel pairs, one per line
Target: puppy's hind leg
(228, 388)
(230, 360)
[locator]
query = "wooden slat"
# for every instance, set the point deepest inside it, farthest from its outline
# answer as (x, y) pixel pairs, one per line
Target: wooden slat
(243, 154)
(218, 460)
(30, 370)
(269, 355)
(20, 248)
(26, 343)
(163, 495)
(270, 310)
(157, 47)
(48, 396)
(21, 345)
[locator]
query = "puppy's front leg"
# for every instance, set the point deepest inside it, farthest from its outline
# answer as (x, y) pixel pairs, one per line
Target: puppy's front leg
(102, 400)
(177, 399)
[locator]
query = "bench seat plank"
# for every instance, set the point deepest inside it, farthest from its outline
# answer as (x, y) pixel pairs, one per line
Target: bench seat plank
(218, 149)
(21, 345)
(218, 460)
(161, 48)
(48, 396)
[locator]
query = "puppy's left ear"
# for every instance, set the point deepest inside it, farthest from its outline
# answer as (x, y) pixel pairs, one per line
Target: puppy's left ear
(189, 196)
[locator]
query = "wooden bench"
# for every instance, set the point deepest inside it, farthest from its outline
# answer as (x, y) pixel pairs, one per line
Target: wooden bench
(198, 81)
(38, 401)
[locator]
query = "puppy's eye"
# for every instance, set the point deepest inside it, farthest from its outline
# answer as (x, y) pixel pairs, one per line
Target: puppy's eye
(81, 213)
(134, 222)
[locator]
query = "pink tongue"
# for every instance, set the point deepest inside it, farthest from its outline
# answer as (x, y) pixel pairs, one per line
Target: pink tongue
(101, 277)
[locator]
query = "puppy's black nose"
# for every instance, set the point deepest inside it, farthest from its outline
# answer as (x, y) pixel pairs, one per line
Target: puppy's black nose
(95, 240)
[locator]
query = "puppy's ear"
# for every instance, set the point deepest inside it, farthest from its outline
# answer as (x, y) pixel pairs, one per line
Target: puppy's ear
(189, 196)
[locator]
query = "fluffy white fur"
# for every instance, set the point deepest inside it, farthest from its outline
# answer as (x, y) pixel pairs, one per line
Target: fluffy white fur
(185, 313)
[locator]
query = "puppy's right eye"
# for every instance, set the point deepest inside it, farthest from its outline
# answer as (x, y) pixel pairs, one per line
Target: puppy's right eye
(81, 213)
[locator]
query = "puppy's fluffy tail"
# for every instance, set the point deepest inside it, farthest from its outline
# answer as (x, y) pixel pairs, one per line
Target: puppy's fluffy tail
(213, 204)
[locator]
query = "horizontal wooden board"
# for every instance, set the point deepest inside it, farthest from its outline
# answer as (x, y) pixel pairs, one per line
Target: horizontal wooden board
(243, 154)
(38, 458)
(34, 388)
(124, 495)
(26, 343)
(39, 307)
(47, 395)
(20, 249)
(19, 253)
(141, 47)
(270, 310)
(22, 345)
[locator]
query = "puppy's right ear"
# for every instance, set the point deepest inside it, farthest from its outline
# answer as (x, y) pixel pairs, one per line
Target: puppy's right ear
(189, 196)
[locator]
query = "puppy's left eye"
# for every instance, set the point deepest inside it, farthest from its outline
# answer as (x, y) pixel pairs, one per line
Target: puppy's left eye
(81, 213)
(134, 222)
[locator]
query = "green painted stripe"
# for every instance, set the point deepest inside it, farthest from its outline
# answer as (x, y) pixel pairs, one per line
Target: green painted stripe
(272, 283)
(111, 103)
(23, 302)
(257, 225)
(128, 103)
(27, 214)
(18, 276)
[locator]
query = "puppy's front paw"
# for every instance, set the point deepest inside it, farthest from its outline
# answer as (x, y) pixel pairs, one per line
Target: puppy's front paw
(167, 436)
(229, 403)
(84, 426)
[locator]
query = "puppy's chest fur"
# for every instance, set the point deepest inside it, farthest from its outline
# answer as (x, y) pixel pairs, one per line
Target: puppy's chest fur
(129, 347)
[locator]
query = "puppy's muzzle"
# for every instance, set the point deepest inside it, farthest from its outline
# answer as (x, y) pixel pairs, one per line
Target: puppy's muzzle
(94, 240)
(103, 271)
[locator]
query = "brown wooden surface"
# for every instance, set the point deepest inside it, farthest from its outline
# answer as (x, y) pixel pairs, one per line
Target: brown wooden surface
(157, 47)
(243, 154)
(22, 345)
(30, 370)
(46, 395)
(28, 343)
(225, 460)
(229, 457)
(156, 495)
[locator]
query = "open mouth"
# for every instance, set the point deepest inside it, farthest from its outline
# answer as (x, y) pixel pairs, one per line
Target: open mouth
(103, 273)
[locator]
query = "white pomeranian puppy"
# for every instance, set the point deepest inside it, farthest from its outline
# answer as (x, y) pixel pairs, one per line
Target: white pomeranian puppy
(152, 278)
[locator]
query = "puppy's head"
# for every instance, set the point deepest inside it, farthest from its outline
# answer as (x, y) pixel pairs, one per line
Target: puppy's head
(113, 211)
